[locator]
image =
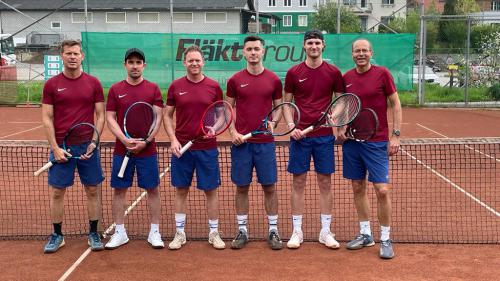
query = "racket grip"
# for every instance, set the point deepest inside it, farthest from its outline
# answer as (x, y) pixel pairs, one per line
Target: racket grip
(247, 136)
(307, 130)
(45, 167)
(186, 147)
(123, 167)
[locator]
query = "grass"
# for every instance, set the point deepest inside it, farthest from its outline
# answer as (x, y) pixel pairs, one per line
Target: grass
(433, 93)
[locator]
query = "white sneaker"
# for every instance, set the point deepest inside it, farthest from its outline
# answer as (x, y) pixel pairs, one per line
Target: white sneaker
(154, 239)
(179, 240)
(118, 239)
(328, 239)
(215, 240)
(296, 239)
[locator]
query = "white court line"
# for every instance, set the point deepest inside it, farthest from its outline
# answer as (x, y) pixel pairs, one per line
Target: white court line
(486, 206)
(108, 230)
(467, 146)
(37, 127)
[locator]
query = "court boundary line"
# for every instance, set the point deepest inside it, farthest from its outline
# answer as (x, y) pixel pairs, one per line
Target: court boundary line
(109, 229)
(467, 146)
(21, 132)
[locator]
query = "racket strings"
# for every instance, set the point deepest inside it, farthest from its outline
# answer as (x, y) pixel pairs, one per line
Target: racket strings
(82, 134)
(364, 126)
(216, 119)
(282, 117)
(343, 111)
(140, 121)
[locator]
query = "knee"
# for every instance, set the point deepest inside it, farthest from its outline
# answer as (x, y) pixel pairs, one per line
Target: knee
(242, 190)
(269, 189)
(383, 192)
(91, 191)
(153, 192)
(58, 194)
(358, 187)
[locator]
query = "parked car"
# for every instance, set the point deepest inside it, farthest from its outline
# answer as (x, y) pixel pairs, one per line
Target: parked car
(430, 76)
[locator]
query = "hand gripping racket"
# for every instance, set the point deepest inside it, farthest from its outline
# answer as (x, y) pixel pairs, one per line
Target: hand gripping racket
(340, 112)
(271, 124)
(214, 121)
(85, 136)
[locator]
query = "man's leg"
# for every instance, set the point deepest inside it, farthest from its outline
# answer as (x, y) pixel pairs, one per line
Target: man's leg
(154, 237)
(120, 236)
(93, 209)
(384, 210)
(297, 202)
(56, 240)
(181, 194)
(241, 205)
(325, 202)
(364, 238)
(271, 206)
(213, 219)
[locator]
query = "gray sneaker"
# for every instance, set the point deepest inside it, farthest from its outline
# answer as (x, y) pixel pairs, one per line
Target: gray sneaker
(386, 251)
(94, 241)
(240, 240)
(360, 241)
(274, 240)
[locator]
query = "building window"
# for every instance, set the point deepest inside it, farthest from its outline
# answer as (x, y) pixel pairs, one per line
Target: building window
(302, 20)
(78, 17)
(183, 17)
(150, 17)
(272, 22)
(386, 20)
(116, 17)
(364, 23)
(387, 2)
(271, 3)
(287, 20)
(216, 17)
(302, 3)
(287, 3)
(349, 2)
(55, 24)
(495, 5)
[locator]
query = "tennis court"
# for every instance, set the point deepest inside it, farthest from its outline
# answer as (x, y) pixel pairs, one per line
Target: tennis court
(445, 191)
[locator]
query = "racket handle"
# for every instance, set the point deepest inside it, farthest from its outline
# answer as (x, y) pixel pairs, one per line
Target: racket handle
(186, 147)
(307, 130)
(45, 167)
(247, 136)
(123, 167)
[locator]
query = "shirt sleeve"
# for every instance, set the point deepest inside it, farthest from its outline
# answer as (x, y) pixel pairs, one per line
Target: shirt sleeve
(231, 92)
(278, 89)
(218, 92)
(339, 82)
(170, 95)
(98, 91)
(389, 86)
(289, 83)
(111, 103)
(48, 93)
(158, 99)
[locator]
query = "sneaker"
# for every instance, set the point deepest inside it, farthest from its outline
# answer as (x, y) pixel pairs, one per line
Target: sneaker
(179, 240)
(154, 239)
(360, 241)
(118, 239)
(386, 251)
(56, 241)
(94, 242)
(274, 240)
(296, 239)
(240, 240)
(216, 241)
(328, 239)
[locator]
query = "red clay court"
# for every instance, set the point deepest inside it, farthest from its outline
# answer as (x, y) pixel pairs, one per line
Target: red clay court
(442, 194)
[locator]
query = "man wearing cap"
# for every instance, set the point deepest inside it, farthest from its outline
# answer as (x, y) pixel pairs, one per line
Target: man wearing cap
(312, 84)
(121, 95)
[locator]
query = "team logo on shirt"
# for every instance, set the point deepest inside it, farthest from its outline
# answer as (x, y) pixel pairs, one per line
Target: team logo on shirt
(243, 85)
(182, 93)
(60, 89)
(121, 96)
(302, 80)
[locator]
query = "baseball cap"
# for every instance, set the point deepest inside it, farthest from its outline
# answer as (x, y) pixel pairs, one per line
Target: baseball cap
(135, 51)
(313, 34)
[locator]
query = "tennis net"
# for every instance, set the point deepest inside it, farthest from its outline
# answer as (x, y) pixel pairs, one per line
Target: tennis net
(444, 191)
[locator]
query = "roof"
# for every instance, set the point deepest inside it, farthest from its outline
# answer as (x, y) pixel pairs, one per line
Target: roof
(126, 4)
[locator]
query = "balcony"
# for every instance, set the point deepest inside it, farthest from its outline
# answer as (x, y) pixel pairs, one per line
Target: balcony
(359, 7)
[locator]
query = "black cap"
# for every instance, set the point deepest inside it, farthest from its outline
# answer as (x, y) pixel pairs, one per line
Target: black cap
(135, 51)
(313, 34)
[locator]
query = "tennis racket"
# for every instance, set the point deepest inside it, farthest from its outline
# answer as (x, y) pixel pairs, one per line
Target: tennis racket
(85, 136)
(215, 120)
(364, 126)
(271, 124)
(340, 112)
(138, 123)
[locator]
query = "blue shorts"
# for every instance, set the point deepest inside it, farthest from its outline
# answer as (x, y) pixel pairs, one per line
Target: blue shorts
(90, 171)
(262, 156)
(362, 157)
(147, 172)
(206, 164)
(320, 148)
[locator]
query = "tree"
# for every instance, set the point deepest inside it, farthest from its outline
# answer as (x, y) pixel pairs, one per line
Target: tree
(326, 19)
(454, 33)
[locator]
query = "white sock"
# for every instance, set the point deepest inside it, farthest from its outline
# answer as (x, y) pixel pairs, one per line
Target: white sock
(120, 228)
(242, 222)
(273, 222)
(180, 221)
(326, 220)
(154, 228)
(364, 228)
(214, 225)
(385, 232)
(297, 222)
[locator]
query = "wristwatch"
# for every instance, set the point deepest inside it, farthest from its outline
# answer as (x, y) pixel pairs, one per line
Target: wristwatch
(397, 133)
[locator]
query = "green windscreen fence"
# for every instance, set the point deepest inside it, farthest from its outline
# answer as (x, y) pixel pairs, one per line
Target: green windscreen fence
(223, 54)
